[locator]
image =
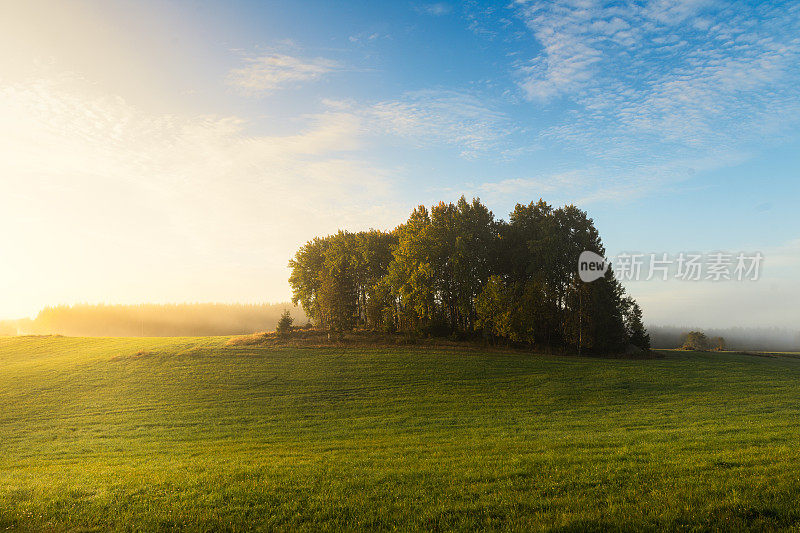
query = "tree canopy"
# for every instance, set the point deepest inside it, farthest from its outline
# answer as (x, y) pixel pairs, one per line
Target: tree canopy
(456, 270)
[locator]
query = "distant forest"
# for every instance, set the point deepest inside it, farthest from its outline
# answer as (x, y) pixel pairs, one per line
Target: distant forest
(455, 270)
(153, 320)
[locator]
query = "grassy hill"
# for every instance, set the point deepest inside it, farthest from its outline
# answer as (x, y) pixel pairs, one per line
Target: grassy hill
(162, 433)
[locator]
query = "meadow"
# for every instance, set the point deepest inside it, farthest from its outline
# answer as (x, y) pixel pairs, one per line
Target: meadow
(149, 434)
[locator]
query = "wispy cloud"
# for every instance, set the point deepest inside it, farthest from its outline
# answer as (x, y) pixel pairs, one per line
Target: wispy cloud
(663, 85)
(269, 72)
(435, 9)
(524, 187)
(443, 117)
(367, 37)
(645, 69)
(580, 39)
(605, 181)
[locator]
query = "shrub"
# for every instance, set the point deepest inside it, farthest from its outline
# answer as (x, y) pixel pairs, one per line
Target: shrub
(284, 323)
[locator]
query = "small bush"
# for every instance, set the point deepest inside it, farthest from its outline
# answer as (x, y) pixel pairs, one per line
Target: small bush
(284, 326)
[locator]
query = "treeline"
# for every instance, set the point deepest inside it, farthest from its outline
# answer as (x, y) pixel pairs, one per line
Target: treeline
(154, 320)
(456, 270)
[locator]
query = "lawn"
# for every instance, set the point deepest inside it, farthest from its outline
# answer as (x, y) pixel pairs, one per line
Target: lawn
(190, 433)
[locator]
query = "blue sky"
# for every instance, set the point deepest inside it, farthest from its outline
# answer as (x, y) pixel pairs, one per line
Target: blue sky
(219, 137)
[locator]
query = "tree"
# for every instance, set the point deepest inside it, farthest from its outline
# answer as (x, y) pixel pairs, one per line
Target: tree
(456, 270)
(493, 307)
(339, 274)
(696, 340)
(604, 316)
(338, 289)
(541, 246)
(441, 262)
(408, 274)
(371, 260)
(717, 343)
(307, 267)
(637, 334)
(284, 326)
(533, 316)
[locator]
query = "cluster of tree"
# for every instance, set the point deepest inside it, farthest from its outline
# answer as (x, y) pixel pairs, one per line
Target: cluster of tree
(697, 340)
(736, 338)
(456, 270)
(159, 320)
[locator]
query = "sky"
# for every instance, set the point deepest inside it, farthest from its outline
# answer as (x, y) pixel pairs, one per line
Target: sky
(182, 151)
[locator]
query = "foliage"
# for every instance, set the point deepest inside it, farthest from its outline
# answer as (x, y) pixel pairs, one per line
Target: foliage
(493, 307)
(634, 326)
(456, 270)
(697, 340)
(337, 279)
(717, 343)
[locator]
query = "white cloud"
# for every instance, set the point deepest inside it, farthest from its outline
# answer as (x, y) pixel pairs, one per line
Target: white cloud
(653, 98)
(440, 118)
(586, 43)
(267, 73)
(567, 54)
(606, 182)
(566, 182)
(367, 37)
(435, 9)
(672, 11)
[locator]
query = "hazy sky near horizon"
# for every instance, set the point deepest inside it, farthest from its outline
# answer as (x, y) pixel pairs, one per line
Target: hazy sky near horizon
(182, 151)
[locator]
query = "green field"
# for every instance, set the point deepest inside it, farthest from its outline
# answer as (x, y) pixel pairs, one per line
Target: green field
(158, 434)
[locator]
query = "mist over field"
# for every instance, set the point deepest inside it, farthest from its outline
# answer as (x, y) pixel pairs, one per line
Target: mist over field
(152, 320)
(736, 338)
(235, 319)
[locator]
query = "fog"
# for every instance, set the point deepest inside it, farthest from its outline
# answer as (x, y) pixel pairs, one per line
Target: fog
(736, 338)
(153, 320)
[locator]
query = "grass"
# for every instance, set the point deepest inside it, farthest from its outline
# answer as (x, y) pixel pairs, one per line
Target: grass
(196, 434)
